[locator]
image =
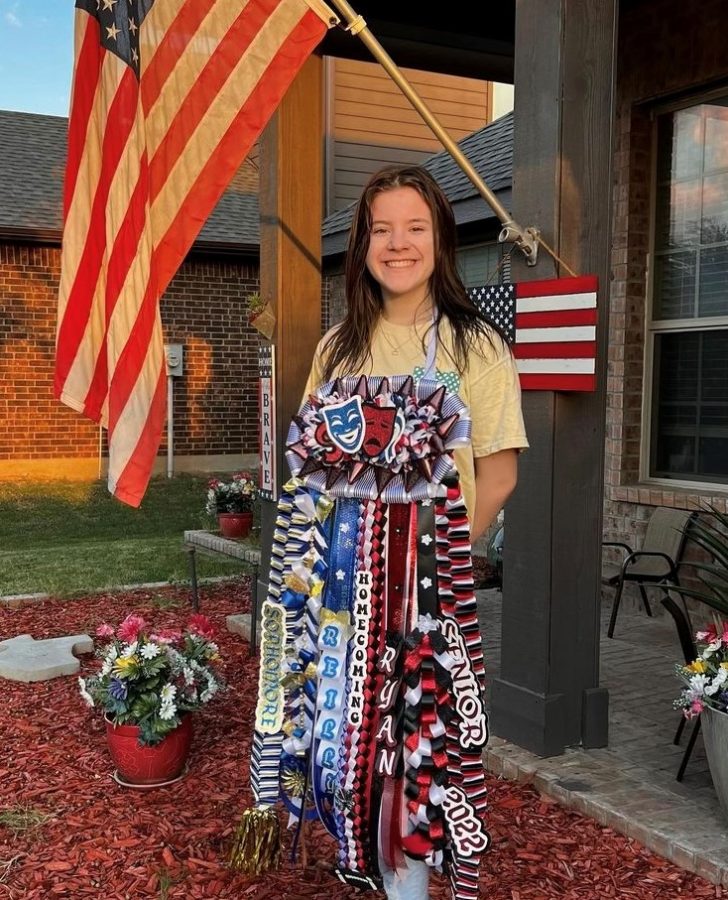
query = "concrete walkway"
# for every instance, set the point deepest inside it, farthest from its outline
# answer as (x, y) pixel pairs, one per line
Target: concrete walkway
(630, 785)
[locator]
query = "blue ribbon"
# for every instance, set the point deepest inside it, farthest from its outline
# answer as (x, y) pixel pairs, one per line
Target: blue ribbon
(342, 558)
(338, 594)
(292, 600)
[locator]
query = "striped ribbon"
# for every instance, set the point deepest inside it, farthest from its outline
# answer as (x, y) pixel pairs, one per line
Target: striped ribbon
(266, 753)
(306, 554)
(467, 730)
(348, 845)
(363, 678)
(388, 766)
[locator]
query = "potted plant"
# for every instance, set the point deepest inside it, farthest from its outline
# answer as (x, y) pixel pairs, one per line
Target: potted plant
(233, 502)
(706, 695)
(149, 683)
(261, 315)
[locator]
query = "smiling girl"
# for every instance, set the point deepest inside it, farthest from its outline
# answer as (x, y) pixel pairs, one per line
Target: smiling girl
(406, 443)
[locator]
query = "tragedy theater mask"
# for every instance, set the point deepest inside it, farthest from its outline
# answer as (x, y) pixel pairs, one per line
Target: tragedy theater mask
(345, 424)
(383, 427)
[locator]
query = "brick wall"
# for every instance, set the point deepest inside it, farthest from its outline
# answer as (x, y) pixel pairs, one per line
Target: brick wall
(32, 424)
(665, 50)
(216, 404)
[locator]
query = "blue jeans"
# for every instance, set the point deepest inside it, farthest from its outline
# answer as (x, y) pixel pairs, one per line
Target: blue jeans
(413, 886)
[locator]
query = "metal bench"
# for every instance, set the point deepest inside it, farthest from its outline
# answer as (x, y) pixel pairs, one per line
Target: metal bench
(212, 544)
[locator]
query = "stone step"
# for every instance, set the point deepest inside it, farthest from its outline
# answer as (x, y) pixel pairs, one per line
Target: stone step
(22, 658)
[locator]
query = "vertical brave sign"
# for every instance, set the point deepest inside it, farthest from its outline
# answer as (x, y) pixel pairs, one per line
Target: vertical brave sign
(267, 395)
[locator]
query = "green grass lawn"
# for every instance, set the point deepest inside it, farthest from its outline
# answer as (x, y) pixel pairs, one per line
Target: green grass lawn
(67, 537)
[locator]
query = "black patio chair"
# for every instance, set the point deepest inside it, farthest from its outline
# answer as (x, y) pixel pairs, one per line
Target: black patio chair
(655, 564)
(687, 644)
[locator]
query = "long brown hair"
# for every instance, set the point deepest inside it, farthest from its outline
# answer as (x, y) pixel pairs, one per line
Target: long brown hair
(349, 346)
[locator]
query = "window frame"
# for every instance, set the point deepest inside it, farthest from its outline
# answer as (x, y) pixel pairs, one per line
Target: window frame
(654, 327)
(503, 273)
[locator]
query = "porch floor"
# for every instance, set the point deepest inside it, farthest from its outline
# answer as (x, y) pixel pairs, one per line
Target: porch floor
(630, 785)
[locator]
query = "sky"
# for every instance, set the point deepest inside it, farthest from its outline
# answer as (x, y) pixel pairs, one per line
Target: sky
(36, 55)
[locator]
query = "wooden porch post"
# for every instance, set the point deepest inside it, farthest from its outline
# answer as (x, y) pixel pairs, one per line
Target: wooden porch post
(291, 213)
(547, 696)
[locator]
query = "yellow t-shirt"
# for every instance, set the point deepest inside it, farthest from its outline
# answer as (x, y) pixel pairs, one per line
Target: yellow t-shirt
(489, 387)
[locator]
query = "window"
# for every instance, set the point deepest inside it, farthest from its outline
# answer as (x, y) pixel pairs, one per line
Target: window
(688, 326)
(478, 265)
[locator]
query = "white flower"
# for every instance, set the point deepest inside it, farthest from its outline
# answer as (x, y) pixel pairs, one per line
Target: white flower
(109, 658)
(84, 693)
(168, 693)
(189, 675)
(210, 691)
(149, 651)
(717, 683)
(697, 687)
(710, 649)
(130, 650)
(167, 711)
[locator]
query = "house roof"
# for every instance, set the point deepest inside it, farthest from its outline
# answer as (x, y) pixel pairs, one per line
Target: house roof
(32, 164)
(33, 157)
(489, 150)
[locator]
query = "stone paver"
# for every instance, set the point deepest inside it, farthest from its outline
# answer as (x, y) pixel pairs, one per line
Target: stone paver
(630, 785)
(240, 624)
(23, 658)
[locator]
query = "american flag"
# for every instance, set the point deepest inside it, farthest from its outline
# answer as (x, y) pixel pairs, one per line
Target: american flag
(552, 327)
(168, 98)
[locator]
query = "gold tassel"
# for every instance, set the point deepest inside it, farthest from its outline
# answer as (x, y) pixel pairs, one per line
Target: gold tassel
(257, 842)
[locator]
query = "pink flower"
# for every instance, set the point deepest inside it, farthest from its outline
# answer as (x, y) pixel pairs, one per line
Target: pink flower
(166, 636)
(129, 629)
(696, 707)
(201, 625)
(104, 631)
(707, 636)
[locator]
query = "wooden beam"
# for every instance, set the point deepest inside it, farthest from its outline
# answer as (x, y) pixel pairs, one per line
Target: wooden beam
(291, 194)
(291, 206)
(547, 696)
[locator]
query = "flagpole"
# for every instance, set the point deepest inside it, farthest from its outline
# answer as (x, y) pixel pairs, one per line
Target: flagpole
(526, 239)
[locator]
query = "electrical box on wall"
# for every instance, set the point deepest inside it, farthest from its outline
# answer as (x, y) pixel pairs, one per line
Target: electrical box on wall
(174, 354)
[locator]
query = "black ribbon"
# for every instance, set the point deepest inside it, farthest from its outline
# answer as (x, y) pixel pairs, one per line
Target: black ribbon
(426, 560)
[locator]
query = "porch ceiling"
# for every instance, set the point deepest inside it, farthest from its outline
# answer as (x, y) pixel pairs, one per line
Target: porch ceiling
(475, 44)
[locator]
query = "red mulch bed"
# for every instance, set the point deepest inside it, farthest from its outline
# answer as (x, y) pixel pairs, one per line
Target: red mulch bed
(103, 840)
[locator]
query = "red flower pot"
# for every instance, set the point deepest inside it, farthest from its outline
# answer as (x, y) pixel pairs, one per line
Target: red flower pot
(235, 525)
(148, 765)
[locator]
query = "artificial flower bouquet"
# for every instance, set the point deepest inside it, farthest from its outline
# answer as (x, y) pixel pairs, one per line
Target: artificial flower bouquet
(706, 678)
(235, 496)
(151, 678)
